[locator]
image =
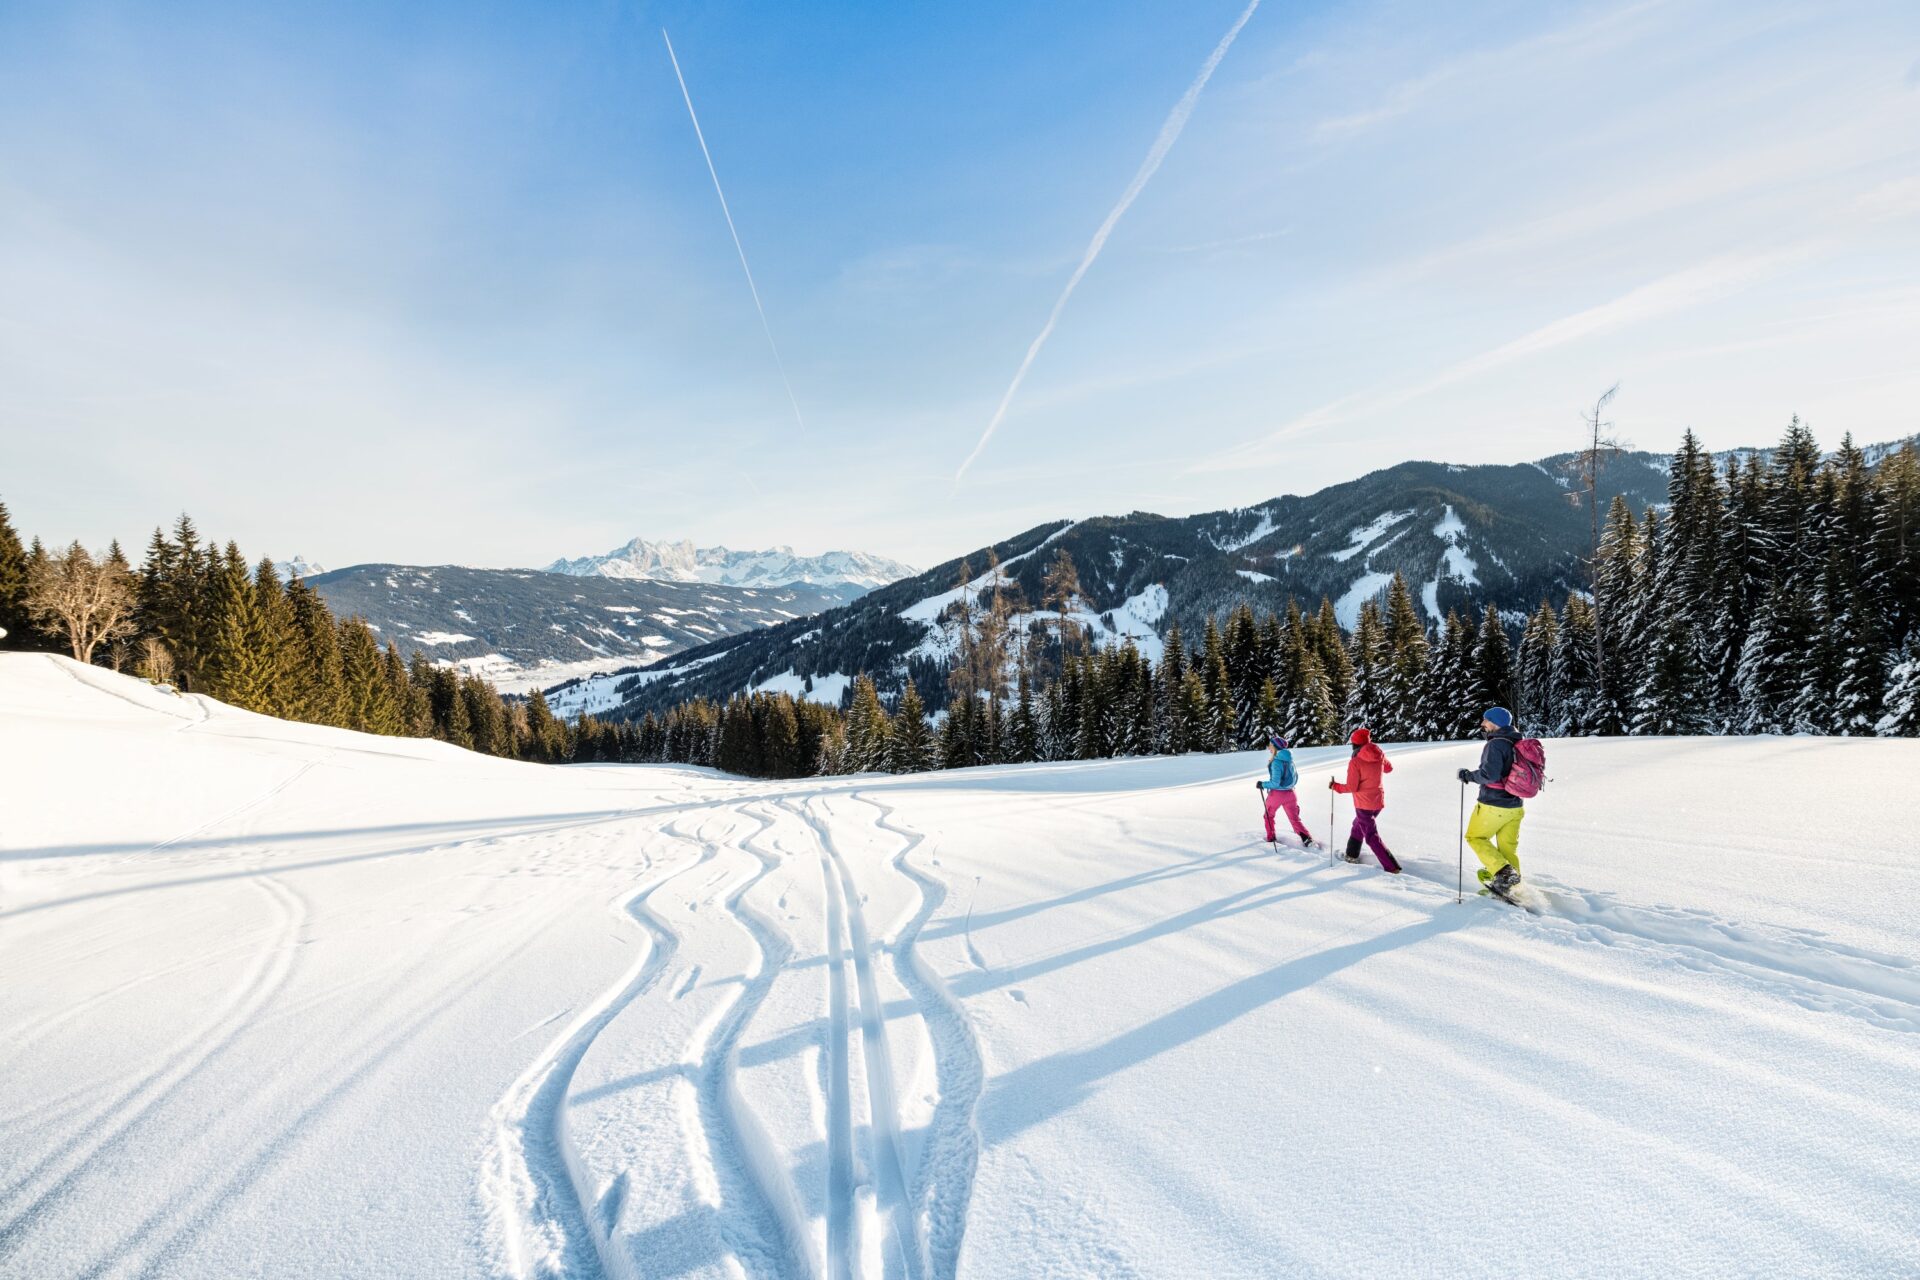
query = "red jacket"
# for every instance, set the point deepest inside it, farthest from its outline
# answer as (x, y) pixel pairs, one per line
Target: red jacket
(1363, 777)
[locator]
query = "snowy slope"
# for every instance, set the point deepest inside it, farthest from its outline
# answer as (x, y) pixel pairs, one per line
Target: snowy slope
(292, 1001)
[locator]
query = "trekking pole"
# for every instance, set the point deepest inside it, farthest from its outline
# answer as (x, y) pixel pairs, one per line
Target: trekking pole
(1460, 856)
(1331, 797)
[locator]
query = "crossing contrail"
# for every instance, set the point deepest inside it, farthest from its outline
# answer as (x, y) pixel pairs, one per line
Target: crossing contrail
(693, 115)
(1169, 134)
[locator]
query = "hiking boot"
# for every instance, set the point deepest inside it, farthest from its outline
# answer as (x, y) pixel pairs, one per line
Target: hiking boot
(1503, 881)
(1353, 850)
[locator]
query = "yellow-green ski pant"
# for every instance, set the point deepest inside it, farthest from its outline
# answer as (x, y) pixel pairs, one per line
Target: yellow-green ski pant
(1494, 834)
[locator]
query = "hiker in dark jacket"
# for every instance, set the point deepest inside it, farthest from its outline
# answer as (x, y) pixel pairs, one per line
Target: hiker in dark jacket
(1493, 832)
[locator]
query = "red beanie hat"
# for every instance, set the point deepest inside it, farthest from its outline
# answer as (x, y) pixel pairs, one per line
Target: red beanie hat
(1361, 737)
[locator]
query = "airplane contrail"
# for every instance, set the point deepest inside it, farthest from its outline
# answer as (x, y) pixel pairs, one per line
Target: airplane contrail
(1169, 134)
(734, 231)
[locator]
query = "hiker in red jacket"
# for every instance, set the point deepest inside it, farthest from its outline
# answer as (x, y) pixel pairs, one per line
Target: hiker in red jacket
(1364, 771)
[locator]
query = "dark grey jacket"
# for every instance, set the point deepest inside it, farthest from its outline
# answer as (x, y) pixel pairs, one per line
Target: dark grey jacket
(1496, 761)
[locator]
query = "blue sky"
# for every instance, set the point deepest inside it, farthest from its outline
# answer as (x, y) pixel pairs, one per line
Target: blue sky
(449, 282)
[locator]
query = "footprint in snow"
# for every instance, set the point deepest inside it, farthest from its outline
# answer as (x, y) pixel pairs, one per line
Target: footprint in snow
(1017, 994)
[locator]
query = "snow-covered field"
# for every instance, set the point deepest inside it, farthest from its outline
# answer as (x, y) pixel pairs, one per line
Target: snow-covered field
(278, 1000)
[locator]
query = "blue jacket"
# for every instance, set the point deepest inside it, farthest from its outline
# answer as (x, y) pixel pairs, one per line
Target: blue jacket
(1496, 762)
(1281, 762)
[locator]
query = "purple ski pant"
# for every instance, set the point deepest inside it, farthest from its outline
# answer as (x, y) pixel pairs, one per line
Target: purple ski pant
(1365, 829)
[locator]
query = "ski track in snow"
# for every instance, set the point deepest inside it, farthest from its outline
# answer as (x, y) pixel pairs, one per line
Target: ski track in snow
(762, 1227)
(1796, 964)
(44, 1184)
(538, 1192)
(195, 1208)
(848, 939)
(943, 1188)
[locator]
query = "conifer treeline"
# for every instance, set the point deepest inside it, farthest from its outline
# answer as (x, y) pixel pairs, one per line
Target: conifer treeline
(1781, 595)
(207, 622)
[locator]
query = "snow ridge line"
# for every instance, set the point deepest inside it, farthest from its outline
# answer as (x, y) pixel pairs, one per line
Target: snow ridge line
(943, 1186)
(538, 1192)
(265, 978)
(727, 1122)
(883, 1107)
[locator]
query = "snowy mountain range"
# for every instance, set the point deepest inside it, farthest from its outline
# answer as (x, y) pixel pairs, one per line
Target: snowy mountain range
(298, 567)
(522, 629)
(778, 567)
(1463, 536)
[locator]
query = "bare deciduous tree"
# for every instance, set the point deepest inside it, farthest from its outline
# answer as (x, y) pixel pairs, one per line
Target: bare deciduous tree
(156, 660)
(1602, 448)
(91, 600)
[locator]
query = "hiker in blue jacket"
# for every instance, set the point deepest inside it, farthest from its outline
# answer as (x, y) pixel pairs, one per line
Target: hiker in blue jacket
(1278, 787)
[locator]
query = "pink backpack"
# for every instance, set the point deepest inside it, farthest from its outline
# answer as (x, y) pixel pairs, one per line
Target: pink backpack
(1529, 772)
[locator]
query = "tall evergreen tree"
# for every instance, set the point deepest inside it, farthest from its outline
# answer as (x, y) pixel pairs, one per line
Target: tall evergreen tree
(1370, 691)
(913, 744)
(1536, 698)
(14, 618)
(1493, 662)
(1407, 648)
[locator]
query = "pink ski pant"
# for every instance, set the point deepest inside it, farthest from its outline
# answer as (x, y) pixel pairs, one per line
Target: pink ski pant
(1284, 800)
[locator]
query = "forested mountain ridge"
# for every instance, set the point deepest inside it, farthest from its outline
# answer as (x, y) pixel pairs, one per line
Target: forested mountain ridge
(1461, 535)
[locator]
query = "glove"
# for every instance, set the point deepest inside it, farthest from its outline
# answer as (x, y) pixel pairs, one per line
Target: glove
(1466, 775)
(1259, 785)
(1333, 784)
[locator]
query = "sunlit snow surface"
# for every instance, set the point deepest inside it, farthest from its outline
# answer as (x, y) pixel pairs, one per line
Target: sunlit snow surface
(290, 1001)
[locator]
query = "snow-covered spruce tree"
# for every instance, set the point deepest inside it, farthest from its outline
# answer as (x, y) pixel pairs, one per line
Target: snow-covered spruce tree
(1329, 645)
(912, 747)
(1616, 614)
(956, 737)
(868, 729)
(1896, 538)
(1245, 671)
(1369, 694)
(1493, 661)
(1218, 726)
(1534, 694)
(1193, 701)
(1858, 652)
(1307, 713)
(1576, 679)
(1671, 699)
(1023, 727)
(1169, 709)
(1407, 646)
(1902, 716)
(1687, 591)
(1269, 706)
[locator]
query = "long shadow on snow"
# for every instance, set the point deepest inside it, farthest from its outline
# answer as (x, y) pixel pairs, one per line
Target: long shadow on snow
(1026, 1096)
(976, 982)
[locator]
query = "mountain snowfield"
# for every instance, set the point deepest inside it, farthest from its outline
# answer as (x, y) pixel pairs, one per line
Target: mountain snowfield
(778, 567)
(287, 1000)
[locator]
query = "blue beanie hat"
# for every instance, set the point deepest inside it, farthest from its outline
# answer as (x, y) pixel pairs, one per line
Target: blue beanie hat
(1279, 742)
(1499, 716)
